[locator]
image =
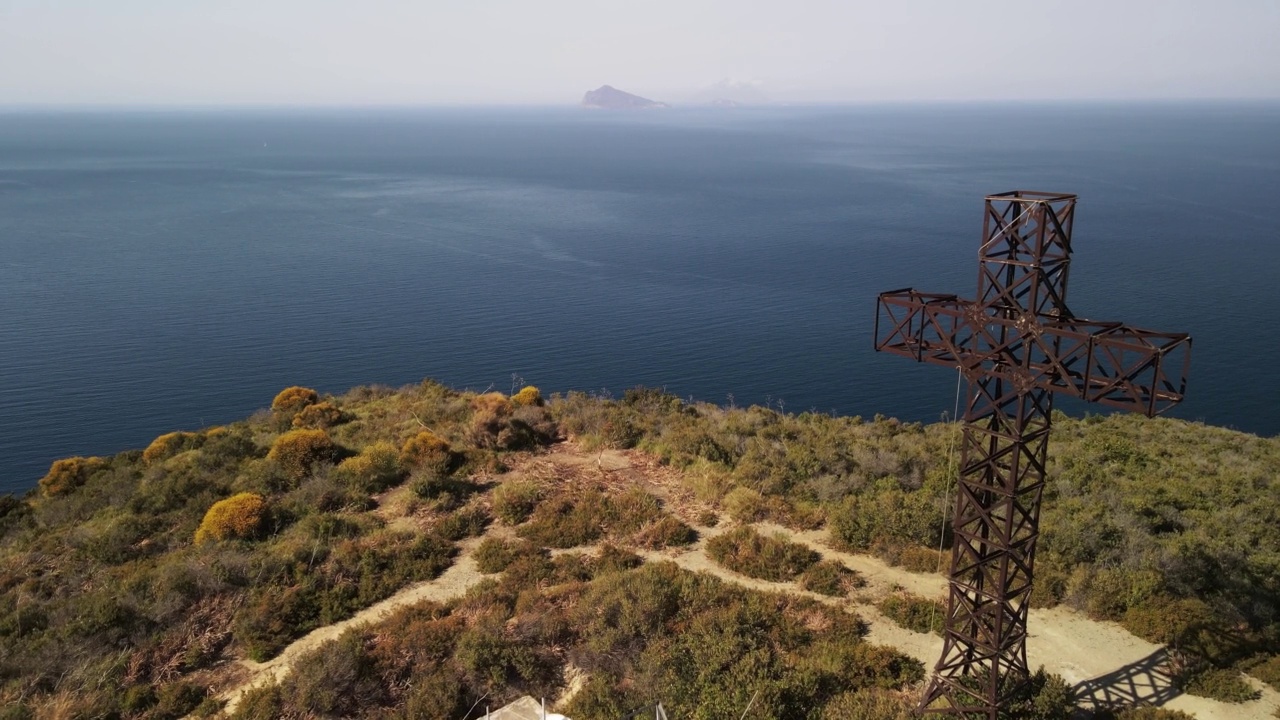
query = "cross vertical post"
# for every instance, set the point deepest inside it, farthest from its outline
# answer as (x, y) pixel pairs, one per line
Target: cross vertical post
(1017, 345)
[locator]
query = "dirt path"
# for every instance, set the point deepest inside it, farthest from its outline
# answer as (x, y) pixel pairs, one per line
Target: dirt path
(452, 583)
(1101, 660)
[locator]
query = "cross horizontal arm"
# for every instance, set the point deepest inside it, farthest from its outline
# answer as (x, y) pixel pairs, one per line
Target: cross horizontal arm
(1104, 362)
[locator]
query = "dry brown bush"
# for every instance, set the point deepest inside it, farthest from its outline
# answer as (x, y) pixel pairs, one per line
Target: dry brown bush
(293, 399)
(298, 451)
(69, 473)
(320, 415)
(426, 451)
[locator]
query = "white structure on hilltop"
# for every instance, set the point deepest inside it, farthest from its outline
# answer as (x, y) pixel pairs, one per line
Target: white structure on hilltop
(526, 708)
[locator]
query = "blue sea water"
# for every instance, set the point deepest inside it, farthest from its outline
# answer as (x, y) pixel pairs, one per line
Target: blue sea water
(173, 270)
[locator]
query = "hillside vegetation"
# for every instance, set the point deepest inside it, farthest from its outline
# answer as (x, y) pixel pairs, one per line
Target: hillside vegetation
(129, 583)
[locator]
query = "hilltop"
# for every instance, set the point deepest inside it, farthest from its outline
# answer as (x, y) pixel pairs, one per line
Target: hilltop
(411, 552)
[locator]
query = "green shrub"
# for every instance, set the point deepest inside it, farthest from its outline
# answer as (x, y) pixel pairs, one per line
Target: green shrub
(564, 521)
(334, 680)
(1222, 684)
(768, 558)
(621, 432)
(667, 531)
(210, 706)
(292, 400)
(329, 526)
(68, 474)
(353, 575)
(299, 451)
(375, 469)
(1144, 713)
(464, 523)
(138, 698)
(175, 700)
(494, 659)
(274, 615)
(914, 613)
(16, 710)
(260, 703)
(745, 505)
(514, 501)
(239, 517)
(494, 554)
(1108, 592)
(888, 518)
(322, 492)
(1048, 697)
(706, 647)
(224, 448)
(435, 694)
(627, 512)
(603, 697)
(831, 577)
(1188, 626)
(868, 704)
(917, 558)
(581, 516)
(113, 539)
(612, 558)
(1267, 670)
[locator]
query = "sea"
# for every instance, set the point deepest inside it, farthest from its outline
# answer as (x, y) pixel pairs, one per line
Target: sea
(170, 270)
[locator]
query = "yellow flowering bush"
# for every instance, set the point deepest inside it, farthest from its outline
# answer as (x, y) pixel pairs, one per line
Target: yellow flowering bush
(168, 445)
(238, 517)
(528, 395)
(376, 468)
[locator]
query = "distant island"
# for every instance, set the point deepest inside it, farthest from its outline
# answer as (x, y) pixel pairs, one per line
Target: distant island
(607, 97)
(730, 93)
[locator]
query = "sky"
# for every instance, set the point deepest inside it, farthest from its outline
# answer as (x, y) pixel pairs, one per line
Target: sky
(452, 52)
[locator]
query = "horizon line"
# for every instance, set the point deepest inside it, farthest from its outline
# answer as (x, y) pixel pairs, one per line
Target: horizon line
(232, 106)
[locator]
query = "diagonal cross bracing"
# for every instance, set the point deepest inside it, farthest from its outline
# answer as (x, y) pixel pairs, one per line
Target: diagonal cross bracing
(1018, 344)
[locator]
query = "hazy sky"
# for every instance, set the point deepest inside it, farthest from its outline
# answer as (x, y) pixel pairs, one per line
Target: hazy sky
(551, 51)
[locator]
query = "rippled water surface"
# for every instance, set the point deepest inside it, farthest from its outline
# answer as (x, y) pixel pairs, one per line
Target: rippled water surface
(163, 271)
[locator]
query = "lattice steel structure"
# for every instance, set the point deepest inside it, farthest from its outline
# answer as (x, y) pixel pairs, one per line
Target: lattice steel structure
(1017, 345)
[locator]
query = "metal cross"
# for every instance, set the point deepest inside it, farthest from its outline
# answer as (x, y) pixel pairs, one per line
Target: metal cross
(1017, 345)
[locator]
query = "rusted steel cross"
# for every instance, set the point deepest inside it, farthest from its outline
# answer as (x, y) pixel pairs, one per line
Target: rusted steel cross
(1017, 345)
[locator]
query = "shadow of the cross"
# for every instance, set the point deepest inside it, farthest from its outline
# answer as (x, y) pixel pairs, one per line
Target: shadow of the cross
(1148, 681)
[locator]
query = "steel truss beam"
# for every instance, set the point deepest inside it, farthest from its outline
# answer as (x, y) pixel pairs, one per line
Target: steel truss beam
(1018, 344)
